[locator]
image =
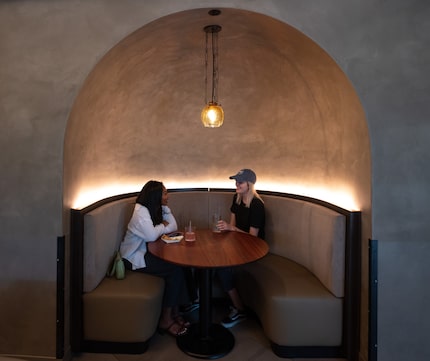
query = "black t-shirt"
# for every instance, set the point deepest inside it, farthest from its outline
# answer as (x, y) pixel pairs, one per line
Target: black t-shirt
(254, 216)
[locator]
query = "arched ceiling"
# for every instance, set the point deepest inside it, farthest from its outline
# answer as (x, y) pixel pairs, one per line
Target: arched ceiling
(290, 112)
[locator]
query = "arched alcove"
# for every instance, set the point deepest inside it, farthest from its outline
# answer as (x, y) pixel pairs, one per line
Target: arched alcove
(291, 114)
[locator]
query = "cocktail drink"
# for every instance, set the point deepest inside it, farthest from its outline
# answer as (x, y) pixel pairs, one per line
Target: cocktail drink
(190, 234)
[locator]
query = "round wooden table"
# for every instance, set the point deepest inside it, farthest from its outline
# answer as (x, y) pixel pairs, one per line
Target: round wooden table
(209, 250)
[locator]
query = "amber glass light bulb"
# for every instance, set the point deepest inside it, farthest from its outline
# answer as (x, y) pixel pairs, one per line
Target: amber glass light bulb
(212, 115)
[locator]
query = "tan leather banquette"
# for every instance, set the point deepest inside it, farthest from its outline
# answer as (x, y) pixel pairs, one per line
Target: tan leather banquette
(305, 292)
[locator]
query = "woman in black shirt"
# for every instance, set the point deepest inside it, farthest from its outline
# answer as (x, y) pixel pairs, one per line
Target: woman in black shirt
(247, 215)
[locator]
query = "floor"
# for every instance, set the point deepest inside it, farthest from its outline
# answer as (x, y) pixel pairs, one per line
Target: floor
(250, 345)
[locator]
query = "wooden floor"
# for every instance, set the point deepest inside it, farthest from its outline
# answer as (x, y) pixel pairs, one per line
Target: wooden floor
(250, 344)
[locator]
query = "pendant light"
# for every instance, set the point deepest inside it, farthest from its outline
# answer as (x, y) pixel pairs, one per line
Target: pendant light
(212, 114)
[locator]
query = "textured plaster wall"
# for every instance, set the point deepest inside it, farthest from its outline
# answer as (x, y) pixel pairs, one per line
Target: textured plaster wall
(291, 114)
(48, 49)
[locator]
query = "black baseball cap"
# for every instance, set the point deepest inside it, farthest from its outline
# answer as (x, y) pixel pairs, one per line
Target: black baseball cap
(245, 175)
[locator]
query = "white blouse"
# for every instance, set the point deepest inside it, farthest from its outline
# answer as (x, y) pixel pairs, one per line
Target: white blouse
(141, 230)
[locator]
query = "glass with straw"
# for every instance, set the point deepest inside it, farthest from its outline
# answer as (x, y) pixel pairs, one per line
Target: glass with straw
(190, 235)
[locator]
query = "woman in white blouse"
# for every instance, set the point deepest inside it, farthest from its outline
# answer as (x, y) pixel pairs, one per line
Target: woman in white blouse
(151, 219)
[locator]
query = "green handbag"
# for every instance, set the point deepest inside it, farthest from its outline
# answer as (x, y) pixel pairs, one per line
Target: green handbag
(116, 267)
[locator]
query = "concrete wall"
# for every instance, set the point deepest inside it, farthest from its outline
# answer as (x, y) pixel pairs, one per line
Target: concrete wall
(48, 49)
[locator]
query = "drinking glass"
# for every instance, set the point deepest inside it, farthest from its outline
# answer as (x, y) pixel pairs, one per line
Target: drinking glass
(190, 234)
(216, 217)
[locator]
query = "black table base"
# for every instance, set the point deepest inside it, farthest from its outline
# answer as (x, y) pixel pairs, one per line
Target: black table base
(218, 343)
(206, 339)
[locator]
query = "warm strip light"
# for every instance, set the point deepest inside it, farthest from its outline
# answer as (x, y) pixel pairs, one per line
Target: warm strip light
(340, 196)
(91, 195)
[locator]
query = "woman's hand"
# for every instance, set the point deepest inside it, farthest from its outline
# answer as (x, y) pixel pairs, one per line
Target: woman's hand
(224, 226)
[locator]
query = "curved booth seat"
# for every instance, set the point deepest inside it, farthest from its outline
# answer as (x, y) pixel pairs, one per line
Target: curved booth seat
(293, 306)
(123, 310)
(109, 315)
(305, 292)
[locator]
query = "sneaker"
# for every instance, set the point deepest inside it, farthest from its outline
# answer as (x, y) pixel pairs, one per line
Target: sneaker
(189, 308)
(234, 317)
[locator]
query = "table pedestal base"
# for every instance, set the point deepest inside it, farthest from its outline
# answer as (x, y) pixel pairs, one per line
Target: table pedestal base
(218, 343)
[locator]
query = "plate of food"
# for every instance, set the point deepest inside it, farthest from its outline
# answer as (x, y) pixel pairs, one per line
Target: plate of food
(173, 237)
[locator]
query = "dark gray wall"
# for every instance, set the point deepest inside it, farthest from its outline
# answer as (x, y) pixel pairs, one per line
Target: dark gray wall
(48, 48)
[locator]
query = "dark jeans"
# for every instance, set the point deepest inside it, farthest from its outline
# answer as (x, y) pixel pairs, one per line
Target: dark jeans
(225, 276)
(192, 282)
(173, 275)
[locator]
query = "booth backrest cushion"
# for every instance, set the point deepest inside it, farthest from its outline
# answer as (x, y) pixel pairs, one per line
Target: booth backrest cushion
(309, 234)
(198, 207)
(104, 230)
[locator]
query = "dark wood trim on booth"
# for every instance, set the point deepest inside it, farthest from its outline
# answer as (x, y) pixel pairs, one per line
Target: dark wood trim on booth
(76, 277)
(308, 351)
(352, 286)
(130, 348)
(351, 331)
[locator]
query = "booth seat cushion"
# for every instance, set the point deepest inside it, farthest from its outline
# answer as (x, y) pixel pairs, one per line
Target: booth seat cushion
(123, 310)
(104, 229)
(294, 307)
(309, 234)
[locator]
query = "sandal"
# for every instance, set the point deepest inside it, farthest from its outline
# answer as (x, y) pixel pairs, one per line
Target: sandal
(180, 330)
